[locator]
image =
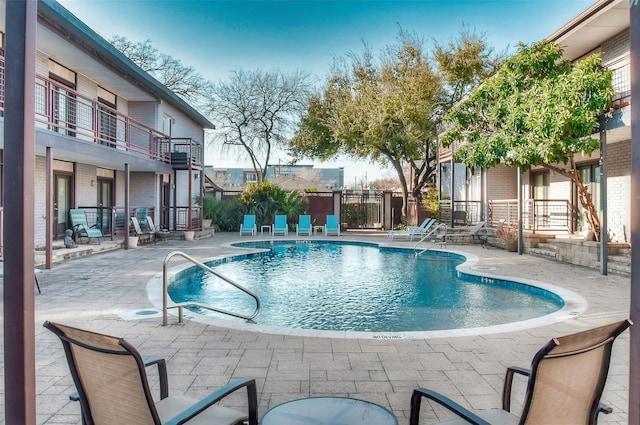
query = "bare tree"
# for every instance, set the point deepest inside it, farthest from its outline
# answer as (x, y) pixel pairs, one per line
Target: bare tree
(257, 111)
(181, 79)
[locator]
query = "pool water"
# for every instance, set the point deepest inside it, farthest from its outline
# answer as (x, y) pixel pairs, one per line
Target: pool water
(360, 287)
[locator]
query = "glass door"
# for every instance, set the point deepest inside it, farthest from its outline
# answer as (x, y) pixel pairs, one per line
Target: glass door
(590, 175)
(540, 195)
(62, 203)
(105, 202)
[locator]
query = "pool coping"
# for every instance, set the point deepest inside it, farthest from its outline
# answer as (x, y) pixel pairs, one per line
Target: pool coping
(574, 304)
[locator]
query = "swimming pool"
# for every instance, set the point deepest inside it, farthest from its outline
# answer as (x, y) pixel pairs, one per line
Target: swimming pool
(360, 287)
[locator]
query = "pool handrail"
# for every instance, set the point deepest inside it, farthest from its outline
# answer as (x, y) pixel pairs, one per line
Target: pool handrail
(180, 306)
(426, 237)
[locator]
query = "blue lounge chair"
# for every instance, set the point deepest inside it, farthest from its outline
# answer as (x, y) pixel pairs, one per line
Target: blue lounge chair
(280, 225)
(248, 226)
(304, 225)
(332, 225)
(412, 231)
(81, 227)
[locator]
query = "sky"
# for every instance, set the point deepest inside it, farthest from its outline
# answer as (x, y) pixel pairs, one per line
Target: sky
(217, 37)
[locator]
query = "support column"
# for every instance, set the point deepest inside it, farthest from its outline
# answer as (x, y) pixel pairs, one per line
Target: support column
(520, 238)
(604, 242)
(387, 222)
(127, 180)
(634, 354)
(49, 209)
(18, 181)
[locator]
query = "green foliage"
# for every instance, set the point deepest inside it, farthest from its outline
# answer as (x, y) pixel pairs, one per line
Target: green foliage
(208, 205)
(430, 201)
(385, 109)
(537, 109)
(266, 200)
(226, 214)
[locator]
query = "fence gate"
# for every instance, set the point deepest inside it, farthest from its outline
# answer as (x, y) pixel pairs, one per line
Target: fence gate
(362, 210)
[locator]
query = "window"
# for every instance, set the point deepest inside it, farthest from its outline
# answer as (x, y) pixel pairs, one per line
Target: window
(65, 105)
(250, 177)
(107, 122)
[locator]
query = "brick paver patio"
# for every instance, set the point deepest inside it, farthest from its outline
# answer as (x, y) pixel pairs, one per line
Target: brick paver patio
(100, 292)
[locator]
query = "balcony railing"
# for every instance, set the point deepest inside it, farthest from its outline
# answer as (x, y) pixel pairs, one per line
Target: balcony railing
(621, 81)
(68, 112)
(464, 212)
(186, 152)
(537, 214)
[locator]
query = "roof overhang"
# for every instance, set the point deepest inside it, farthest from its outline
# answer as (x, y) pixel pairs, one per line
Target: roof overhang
(585, 33)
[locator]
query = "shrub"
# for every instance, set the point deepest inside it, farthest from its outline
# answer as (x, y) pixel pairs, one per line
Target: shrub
(266, 200)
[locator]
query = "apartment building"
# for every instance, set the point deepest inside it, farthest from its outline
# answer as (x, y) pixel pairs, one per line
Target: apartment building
(106, 131)
(289, 177)
(550, 200)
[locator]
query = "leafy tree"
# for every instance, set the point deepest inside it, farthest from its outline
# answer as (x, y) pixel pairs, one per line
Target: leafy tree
(171, 72)
(386, 110)
(257, 110)
(537, 110)
(464, 62)
(376, 110)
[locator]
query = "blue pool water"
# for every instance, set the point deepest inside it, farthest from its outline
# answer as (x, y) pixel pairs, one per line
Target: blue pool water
(326, 285)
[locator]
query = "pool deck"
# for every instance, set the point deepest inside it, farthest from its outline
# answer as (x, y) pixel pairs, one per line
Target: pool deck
(104, 291)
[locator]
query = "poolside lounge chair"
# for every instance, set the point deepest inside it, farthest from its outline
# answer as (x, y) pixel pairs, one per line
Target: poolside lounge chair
(81, 227)
(304, 225)
(113, 388)
(412, 231)
(149, 236)
(332, 225)
(248, 226)
(564, 386)
(141, 214)
(476, 235)
(280, 225)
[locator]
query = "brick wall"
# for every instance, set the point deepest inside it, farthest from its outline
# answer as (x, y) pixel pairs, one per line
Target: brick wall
(86, 195)
(618, 190)
(501, 183)
(143, 190)
(40, 198)
(616, 46)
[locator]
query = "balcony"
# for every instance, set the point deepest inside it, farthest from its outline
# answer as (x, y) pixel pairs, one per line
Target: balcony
(621, 81)
(67, 112)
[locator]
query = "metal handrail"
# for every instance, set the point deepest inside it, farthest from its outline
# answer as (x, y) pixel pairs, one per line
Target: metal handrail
(180, 306)
(425, 237)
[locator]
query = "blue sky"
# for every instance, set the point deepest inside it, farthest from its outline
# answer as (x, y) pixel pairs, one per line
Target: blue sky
(216, 37)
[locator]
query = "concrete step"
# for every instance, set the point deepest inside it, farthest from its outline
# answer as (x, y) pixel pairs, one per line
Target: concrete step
(542, 252)
(620, 259)
(618, 268)
(547, 246)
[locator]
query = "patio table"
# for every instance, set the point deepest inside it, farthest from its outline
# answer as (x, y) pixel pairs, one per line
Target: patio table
(328, 411)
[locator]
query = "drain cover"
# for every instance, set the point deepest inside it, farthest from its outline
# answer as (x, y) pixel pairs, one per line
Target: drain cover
(146, 312)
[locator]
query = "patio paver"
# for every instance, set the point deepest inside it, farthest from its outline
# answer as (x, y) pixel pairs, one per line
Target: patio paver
(95, 291)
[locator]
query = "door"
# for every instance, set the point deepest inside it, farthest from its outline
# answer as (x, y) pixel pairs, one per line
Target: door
(166, 206)
(62, 190)
(590, 175)
(540, 195)
(105, 202)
